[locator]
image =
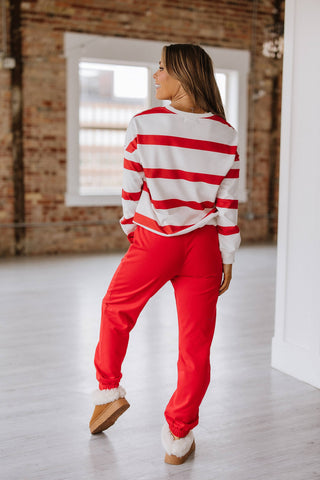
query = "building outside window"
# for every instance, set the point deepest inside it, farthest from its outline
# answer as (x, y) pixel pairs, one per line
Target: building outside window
(110, 95)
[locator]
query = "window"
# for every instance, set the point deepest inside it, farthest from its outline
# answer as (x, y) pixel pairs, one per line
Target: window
(109, 80)
(107, 103)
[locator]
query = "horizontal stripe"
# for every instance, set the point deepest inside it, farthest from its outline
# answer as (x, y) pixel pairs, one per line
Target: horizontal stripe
(135, 166)
(134, 196)
(225, 203)
(176, 202)
(153, 225)
(183, 175)
(154, 110)
(233, 173)
(132, 146)
(171, 141)
(126, 221)
(221, 120)
(228, 230)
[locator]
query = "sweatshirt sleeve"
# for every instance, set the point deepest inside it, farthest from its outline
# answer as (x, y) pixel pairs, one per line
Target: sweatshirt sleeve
(227, 206)
(133, 178)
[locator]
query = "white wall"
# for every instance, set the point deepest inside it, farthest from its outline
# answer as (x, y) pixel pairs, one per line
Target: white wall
(296, 342)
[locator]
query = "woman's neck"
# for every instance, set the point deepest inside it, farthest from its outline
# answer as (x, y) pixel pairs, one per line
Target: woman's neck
(186, 104)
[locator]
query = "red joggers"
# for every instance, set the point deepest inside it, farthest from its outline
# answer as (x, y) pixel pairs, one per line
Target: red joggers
(192, 262)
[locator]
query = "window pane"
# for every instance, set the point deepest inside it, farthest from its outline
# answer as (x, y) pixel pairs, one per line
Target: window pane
(221, 79)
(110, 95)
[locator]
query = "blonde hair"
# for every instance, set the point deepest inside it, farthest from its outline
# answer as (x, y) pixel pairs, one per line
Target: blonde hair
(193, 67)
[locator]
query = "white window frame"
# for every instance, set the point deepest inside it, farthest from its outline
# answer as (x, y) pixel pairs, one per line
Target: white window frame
(127, 51)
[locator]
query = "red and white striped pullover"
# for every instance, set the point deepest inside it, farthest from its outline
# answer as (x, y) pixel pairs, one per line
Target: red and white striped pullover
(181, 172)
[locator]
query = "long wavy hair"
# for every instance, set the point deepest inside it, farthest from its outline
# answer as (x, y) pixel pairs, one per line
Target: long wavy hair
(193, 67)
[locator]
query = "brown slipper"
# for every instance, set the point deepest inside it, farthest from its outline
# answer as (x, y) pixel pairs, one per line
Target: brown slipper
(174, 460)
(107, 414)
(177, 449)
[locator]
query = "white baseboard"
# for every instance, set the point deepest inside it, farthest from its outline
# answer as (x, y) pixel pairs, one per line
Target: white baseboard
(296, 361)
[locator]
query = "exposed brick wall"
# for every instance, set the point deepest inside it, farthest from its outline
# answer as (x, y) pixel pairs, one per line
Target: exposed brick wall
(6, 183)
(222, 23)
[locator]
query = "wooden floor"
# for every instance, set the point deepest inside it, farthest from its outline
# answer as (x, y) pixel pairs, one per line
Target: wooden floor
(255, 422)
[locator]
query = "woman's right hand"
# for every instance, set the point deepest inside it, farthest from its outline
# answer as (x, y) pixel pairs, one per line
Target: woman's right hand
(226, 279)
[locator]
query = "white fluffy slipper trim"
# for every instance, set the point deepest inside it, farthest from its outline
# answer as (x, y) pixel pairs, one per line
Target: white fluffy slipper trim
(100, 397)
(180, 447)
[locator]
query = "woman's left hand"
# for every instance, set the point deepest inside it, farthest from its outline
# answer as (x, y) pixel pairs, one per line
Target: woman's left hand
(227, 275)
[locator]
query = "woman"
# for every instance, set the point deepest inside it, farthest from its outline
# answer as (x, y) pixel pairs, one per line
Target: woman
(181, 171)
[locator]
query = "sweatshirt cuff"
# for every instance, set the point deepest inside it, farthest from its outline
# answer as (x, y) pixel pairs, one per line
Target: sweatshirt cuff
(228, 257)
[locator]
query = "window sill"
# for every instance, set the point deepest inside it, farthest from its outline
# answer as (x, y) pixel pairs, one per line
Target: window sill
(74, 200)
